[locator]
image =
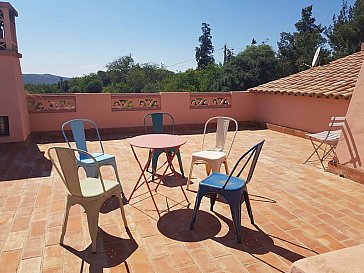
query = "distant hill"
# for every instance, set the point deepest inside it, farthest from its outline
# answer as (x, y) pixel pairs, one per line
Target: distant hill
(42, 78)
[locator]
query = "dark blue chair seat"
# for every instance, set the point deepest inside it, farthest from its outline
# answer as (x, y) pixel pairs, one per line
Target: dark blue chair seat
(231, 187)
(215, 181)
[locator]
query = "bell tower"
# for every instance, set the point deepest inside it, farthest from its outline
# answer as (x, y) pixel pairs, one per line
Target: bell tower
(14, 116)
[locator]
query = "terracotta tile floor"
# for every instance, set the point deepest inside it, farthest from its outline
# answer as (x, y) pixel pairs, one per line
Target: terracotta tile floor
(300, 211)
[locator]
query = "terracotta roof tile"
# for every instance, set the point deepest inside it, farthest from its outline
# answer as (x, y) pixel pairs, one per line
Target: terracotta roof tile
(334, 80)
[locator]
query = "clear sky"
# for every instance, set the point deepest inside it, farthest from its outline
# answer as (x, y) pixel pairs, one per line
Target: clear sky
(73, 38)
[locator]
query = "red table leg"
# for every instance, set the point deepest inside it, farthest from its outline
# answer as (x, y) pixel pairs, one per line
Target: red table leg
(174, 170)
(143, 175)
(170, 164)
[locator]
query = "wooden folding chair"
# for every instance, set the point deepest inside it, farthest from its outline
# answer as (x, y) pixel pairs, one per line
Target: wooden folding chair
(326, 141)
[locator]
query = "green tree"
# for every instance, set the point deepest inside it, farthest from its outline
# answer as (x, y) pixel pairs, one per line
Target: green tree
(41, 88)
(296, 50)
(94, 86)
(104, 77)
(347, 31)
(254, 66)
(183, 82)
(79, 84)
(204, 52)
(209, 77)
(119, 68)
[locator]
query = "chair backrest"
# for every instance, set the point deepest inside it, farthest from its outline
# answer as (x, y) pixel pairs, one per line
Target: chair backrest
(222, 127)
(251, 156)
(68, 170)
(336, 123)
(78, 131)
(158, 121)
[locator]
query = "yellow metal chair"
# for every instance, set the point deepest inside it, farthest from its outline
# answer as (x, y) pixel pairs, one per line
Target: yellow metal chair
(90, 192)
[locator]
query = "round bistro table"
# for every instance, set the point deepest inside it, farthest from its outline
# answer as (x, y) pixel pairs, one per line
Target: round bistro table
(154, 142)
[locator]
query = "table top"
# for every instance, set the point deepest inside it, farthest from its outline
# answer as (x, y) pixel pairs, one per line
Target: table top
(157, 141)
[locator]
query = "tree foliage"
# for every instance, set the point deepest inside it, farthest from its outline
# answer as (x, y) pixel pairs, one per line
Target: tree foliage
(296, 50)
(204, 52)
(347, 31)
(254, 66)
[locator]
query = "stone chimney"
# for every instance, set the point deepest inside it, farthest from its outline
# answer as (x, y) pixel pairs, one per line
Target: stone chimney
(14, 116)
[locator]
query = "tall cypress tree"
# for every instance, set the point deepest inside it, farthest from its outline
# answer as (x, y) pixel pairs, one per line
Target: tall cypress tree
(204, 52)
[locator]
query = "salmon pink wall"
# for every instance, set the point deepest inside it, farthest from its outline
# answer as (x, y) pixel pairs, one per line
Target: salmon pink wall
(12, 98)
(299, 112)
(97, 107)
(350, 149)
(302, 113)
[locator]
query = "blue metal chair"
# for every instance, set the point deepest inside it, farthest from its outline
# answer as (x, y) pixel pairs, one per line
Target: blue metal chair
(232, 188)
(83, 160)
(157, 122)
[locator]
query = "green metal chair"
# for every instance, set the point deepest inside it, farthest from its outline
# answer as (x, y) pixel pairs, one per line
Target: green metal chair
(158, 127)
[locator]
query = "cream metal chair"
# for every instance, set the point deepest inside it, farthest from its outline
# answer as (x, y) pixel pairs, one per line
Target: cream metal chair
(90, 192)
(213, 158)
(326, 141)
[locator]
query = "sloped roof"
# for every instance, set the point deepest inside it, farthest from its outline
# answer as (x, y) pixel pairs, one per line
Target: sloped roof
(334, 80)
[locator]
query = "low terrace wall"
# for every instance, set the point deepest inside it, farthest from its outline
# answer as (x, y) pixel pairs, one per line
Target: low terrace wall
(300, 113)
(48, 112)
(287, 113)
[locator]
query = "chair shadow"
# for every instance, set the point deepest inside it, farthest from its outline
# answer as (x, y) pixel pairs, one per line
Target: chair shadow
(255, 241)
(176, 225)
(170, 180)
(111, 251)
(23, 163)
(112, 203)
(252, 198)
(351, 146)
(259, 198)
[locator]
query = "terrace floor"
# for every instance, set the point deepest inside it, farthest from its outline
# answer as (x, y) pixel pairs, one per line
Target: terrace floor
(300, 211)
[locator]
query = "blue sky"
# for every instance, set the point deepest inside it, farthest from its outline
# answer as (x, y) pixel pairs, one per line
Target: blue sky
(73, 38)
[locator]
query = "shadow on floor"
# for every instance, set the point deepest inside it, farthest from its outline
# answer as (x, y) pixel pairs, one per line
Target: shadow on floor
(111, 204)
(256, 241)
(24, 163)
(170, 180)
(111, 251)
(175, 225)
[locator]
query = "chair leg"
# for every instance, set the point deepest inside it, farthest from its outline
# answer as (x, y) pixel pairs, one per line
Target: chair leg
(91, 171)
(199, 196)
(212, 200)
(92, 212)
(65, 220)
(122, 211)
(113, 164)
(226, 167)
(180, 163)
(208, 169)
(190, 174)
(248, 206)
(235, 208)
(147, 169)
(315, 148)
(155, 162)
